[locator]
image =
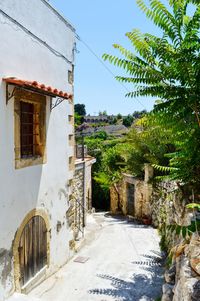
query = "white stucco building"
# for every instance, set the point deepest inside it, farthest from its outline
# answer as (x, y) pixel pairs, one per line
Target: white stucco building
(36, 142)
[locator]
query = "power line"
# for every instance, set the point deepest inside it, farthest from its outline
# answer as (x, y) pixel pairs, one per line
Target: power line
(57, 53)
(106, 67)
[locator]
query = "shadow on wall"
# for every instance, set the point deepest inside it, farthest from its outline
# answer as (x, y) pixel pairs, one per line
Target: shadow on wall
(145, 286)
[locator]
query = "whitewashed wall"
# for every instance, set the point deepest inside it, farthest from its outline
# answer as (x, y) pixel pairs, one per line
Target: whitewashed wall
(88, 181)
(43, 186)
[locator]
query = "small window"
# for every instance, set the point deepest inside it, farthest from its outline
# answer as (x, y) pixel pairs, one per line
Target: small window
(27, 125)
(71, 140)
(30, 129)
(70, 118)
(71, 163)
(70, 182)
(71, 76)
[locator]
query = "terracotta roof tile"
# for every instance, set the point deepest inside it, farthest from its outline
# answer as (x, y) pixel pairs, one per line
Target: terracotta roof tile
(35, 83)
(49, 89)
(35, 86)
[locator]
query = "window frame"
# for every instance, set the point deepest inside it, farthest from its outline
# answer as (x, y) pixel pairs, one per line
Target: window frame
(39, 102)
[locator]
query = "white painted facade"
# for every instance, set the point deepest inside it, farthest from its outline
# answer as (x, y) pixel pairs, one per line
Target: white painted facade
(42, 186)
(89, 161)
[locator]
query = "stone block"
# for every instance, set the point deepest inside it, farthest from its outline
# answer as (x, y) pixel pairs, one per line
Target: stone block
(196, 291)
(170, 275)
(167, 292)
(185, 281)
(167, 297)
(167, 288)
(195, 264)
(194, 247)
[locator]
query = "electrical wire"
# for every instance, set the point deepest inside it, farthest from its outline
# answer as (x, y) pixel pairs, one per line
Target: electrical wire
(106, 67)
(58, 54)
(54, 51)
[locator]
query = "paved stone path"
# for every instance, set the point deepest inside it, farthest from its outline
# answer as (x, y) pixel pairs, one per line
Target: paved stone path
(124, 264)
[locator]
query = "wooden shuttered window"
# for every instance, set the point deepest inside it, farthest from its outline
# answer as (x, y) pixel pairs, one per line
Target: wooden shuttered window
(30, 129)
(27, 129)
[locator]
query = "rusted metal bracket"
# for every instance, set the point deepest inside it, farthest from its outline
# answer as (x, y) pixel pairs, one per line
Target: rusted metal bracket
(8, 94)
(57, 102)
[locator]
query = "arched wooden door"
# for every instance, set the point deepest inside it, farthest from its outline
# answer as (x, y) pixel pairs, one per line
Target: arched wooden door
(32, 248)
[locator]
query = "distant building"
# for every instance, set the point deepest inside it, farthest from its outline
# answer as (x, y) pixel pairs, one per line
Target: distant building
(97, 119)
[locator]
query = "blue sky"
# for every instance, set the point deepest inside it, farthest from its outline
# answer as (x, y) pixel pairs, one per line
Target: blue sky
(101, 23)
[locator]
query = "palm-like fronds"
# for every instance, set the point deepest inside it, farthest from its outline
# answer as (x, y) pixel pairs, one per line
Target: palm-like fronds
(166, 67)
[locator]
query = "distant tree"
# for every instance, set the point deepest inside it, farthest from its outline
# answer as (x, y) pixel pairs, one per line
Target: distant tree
(78, 119)
(101, 134)
(104, 113)
(119, 116)
(114, 121)
(139, 114)
(80, 109)
(128, 120)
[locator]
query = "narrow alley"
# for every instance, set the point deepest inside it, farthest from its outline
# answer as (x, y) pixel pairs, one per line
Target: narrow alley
(121, 261)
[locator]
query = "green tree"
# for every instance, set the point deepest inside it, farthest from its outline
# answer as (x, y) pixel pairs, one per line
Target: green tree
(128, 120)
(119, 116)
(78, 119)
(167, 67)
(113, 120)
(103, 113)
(139, 114)
(80, 109)
(184, 161)
(98, 144)
(112, 165)
(101, 134)
(149, 144)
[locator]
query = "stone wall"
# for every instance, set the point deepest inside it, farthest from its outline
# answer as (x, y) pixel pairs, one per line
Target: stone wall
(168, 206)
(80, 203)
(131, 196)
(76, 198)
(183, 276)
